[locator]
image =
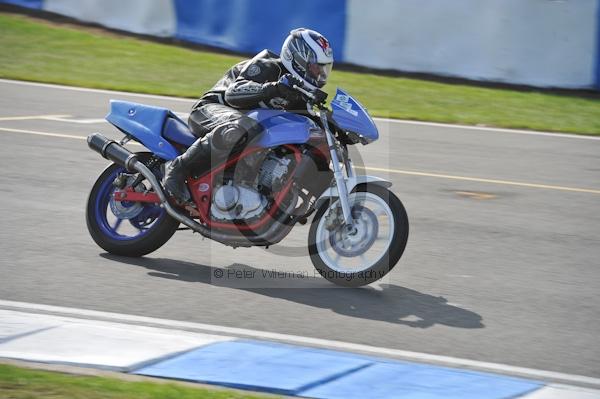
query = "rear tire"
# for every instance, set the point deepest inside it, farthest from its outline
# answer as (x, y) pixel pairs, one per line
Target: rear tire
(385, 264)
(159, 232)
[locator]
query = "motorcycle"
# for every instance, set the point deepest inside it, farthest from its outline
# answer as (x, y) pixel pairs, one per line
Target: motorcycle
(359, 229)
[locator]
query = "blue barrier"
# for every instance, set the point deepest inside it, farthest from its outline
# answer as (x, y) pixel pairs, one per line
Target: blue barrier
(597, 70)
(37, 4)
(250, 27)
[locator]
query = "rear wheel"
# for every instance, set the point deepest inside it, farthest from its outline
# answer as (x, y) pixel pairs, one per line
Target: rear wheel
(126, 228)
(368, 252)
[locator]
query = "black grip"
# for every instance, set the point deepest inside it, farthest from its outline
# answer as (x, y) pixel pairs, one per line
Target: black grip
(320, 96)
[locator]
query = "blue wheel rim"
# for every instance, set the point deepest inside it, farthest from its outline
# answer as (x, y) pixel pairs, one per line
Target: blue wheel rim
(102, 208)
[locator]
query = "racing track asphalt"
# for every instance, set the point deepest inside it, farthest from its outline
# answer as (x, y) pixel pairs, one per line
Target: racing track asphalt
(493, 271)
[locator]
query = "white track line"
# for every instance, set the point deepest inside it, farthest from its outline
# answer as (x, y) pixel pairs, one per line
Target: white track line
(395, 171)
(67, 119)
(489, 129)
(25, 118)
(60, 135)
(324, 343)
(100, 91)
(34, 132)
(399, 121)
(482, 180)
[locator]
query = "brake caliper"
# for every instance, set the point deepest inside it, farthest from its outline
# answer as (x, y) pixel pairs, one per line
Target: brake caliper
(334, 219)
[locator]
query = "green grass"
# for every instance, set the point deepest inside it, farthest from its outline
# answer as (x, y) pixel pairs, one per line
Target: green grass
(21, 383)
(39, 51)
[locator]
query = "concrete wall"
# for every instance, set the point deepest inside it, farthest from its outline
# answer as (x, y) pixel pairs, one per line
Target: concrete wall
(152, 17)
(534, 42)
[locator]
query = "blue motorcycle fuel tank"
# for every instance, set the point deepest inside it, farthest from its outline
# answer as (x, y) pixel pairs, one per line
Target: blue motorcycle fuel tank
(281, 127)
(351, 116)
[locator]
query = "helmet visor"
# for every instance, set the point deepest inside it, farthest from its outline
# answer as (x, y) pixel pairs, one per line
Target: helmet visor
(318, 73)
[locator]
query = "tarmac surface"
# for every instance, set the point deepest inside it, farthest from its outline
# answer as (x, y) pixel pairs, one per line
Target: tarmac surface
(502, 263)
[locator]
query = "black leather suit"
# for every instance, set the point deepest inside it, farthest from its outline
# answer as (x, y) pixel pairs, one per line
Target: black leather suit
(219, 121)
(248, 85)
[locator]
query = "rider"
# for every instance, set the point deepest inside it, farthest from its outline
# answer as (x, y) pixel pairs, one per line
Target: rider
(265, 81)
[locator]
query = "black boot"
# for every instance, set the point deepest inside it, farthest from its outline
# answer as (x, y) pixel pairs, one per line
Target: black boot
(215, 146)
(177, 170)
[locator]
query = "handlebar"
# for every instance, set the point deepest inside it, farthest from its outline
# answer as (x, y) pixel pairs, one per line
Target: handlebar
(317, 98)
(305, 92)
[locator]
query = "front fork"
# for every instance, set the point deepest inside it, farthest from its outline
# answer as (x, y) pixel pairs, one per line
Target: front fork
(340, 181)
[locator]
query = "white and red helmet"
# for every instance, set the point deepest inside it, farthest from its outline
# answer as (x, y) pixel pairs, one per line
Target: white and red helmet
(307, 55)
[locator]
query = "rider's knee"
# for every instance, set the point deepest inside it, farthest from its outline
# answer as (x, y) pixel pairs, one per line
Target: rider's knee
(229, 137)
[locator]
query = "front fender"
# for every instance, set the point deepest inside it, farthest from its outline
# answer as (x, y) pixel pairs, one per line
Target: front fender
(351, 183)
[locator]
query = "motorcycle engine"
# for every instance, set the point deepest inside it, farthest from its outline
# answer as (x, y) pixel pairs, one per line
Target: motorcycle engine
(245, 200)
(272, 173)
(234, 202)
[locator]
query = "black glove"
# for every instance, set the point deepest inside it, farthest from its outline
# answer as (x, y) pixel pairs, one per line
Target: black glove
(290, 81)
(284, 86)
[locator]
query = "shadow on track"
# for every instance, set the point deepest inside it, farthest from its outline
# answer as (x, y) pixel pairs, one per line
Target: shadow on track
(390, 303)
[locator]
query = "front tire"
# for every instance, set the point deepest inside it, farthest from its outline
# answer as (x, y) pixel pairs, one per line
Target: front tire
(135, 230)
(342, 258)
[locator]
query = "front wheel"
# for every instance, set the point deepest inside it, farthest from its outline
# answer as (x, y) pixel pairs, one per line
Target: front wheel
(366, 253)
(126, 228)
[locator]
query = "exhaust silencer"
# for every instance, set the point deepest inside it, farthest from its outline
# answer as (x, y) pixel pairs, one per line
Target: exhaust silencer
(112, 151)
